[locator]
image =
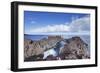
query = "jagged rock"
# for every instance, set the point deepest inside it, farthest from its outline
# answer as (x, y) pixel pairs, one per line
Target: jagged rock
(74, 48)
(51, 57)
(34, 58)
(32, 48)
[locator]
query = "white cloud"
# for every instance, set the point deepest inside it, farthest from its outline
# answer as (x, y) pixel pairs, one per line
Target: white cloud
(81, 24)
(77, 25)
(54, 28)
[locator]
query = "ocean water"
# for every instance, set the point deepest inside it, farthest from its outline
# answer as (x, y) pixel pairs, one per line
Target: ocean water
(34, 37)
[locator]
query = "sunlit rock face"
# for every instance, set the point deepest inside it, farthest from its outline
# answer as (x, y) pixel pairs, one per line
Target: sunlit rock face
(32, 48)
(55, 48)
(75, 48)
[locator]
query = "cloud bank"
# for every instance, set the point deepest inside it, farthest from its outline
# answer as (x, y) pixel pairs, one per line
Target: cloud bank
(77, 25)
(54, 28)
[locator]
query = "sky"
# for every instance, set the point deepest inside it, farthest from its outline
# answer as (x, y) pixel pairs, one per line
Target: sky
(55, 23)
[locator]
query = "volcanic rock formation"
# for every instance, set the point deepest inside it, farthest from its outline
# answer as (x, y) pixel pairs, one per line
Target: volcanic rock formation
(54, 48)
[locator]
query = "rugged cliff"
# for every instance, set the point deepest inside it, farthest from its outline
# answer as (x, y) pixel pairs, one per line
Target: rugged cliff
(72, 48)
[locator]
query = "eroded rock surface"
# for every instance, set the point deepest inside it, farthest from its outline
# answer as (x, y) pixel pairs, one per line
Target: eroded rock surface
(74, 48)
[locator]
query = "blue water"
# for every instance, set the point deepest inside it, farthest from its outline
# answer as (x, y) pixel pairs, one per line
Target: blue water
(35, 37)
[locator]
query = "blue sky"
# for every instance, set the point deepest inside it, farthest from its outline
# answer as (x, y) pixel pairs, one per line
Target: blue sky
(52, 22)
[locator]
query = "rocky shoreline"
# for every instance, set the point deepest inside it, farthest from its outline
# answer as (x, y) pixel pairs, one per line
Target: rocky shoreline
(55, 48)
